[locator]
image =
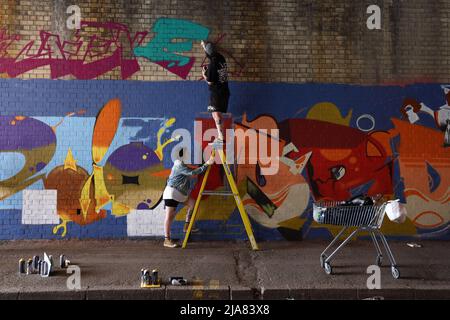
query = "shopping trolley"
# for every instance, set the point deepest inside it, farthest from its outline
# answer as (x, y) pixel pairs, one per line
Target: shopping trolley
(364, 218)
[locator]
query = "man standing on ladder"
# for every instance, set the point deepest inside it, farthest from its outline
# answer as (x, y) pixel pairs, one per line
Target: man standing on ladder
(216, 75)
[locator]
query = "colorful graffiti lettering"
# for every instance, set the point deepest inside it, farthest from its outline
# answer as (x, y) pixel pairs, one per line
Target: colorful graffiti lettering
(162, 49)
(6, 41)
(106, 46)
(85, 57)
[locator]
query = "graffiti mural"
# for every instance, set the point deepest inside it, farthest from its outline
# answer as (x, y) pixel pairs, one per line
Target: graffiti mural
(68, 180)
(18, 136)
(424, 169)
(84, 57)
(133, 176)
(273, 201)
(105, 167)
(97, 48)
(347, 163)
(164, 51)
(411, 110)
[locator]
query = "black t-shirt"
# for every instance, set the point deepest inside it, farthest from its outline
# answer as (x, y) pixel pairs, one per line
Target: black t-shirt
(217, 74)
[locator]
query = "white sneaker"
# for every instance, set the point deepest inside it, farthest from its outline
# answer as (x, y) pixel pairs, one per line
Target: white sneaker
(168, 243)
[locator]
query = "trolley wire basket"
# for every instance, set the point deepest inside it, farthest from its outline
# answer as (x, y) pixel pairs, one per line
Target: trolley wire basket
(364, 218)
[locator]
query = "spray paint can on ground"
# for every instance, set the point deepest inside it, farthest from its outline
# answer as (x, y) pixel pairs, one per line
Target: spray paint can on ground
(62, 261)
(35, 263)
(155, 276)
(44, 269)
(29, 266)
(22, 268)
(40, 266)
(145, 277)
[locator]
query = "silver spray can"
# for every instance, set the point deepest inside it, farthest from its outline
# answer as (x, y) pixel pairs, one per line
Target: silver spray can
(155, 277)
(35, 263)
(62, 261)
(29, 266)
(22, 268)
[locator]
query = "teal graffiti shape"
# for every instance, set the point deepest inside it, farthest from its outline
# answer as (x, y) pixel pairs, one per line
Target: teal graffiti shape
(162, 47)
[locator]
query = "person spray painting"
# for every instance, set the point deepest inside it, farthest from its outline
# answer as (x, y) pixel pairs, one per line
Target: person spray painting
(216, 75)
(177, 191)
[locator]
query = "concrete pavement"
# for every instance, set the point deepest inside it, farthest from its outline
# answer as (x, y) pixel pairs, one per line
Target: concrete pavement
(225, 270)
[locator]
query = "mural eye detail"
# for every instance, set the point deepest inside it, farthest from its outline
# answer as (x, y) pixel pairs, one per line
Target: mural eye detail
(259, 177)
(130, 180)
(434, 179)
(338, 172)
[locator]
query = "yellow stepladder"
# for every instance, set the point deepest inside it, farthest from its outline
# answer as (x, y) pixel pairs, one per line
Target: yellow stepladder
(234, 192)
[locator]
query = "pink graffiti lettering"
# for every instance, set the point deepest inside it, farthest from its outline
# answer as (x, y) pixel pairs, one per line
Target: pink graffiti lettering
(98, 48)
(86, 57)
(6, 41)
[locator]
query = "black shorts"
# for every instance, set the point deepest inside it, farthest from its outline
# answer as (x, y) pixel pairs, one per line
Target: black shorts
(218, 102)
(171, 203)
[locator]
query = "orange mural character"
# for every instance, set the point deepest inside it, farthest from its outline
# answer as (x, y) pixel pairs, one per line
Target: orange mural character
(278, 200)
(105, 129)
(425, 168)
(73, 182)
(69, 180)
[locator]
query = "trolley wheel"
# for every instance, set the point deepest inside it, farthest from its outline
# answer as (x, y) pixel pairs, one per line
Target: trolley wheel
(322, 260)
(395, 272)
(328, 268)
(379, 260)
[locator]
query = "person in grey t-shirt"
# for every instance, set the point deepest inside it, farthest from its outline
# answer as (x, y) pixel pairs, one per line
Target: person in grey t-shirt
(176, 192)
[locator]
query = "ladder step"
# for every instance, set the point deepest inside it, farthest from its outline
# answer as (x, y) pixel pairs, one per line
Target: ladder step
(218, 146)
(234, 193)
(217, 193)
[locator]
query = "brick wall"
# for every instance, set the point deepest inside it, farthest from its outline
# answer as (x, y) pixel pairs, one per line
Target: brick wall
(345, 99)
(287, 41)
